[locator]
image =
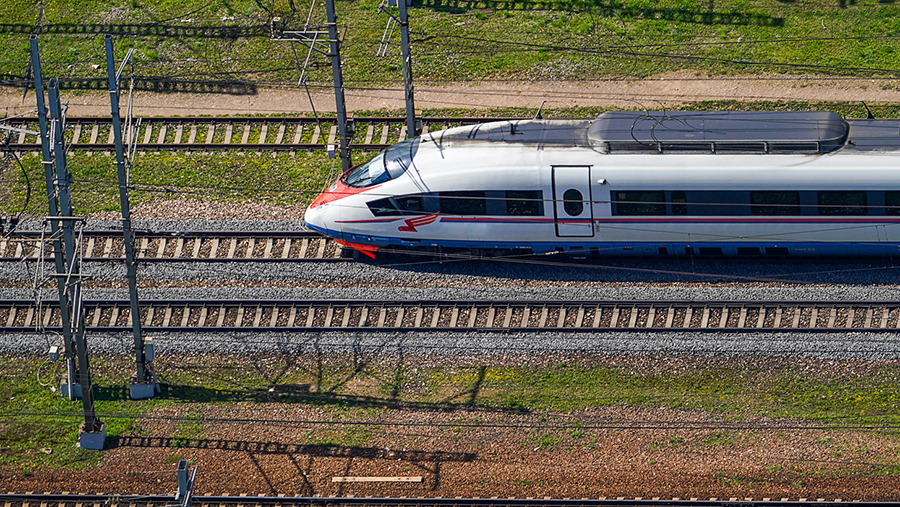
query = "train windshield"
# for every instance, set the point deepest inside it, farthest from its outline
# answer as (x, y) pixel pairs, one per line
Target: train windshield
(385, 166)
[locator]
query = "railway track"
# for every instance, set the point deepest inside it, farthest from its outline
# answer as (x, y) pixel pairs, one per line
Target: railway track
(96, 246)
(231, 133)
(465, 316)
(67, 500)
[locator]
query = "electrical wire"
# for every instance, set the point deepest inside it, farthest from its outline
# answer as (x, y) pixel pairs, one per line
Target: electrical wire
(9, 150)
(182, 16)
(229, 188)
(612, 425)
(532, 45)
(470, 6)
(150, 63)
(305, 341)
(199, 190)
(620, 52)
(442, 102)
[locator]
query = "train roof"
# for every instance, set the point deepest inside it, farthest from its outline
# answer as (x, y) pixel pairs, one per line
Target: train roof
(715, 131)
(539, 132)
(873, 135)
(800, 132)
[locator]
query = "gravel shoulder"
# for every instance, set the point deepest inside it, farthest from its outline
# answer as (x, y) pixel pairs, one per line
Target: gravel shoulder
(658, 92)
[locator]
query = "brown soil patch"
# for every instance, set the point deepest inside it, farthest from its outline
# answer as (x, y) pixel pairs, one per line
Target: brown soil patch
(280, 443)
(588, 454)
(652, 93)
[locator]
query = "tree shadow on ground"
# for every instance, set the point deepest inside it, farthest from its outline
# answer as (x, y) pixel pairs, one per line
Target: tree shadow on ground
(300, 394)
(428, 462)
(707, 16)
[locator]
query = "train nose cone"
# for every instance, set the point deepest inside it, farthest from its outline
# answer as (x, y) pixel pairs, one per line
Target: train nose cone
(313, 218)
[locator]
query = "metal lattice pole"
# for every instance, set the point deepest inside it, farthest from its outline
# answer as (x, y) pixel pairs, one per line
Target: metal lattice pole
(411, 128)
(53, 201)
(143, 385)
(71, 277)
(335, 53)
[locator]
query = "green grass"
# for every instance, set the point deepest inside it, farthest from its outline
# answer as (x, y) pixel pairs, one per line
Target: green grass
(459, 40)
(225, 177)
(188, 430)
(39, 429)
(33, 418)
(729, 391)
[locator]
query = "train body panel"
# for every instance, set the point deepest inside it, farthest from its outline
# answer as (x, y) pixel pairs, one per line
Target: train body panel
(547, 186)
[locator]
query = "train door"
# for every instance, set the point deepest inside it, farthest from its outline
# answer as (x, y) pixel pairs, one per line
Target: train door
(572, 209)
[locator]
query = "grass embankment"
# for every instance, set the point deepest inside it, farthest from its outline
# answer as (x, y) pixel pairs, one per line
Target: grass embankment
(36, 420)
(473, 40)
(270, 177)
(222, 177)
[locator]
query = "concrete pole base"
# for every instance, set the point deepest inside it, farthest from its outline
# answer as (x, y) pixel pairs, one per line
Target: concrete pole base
(143, 390)
(93, 440)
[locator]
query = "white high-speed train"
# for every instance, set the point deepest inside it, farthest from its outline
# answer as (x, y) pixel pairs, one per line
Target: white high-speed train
(630, 183)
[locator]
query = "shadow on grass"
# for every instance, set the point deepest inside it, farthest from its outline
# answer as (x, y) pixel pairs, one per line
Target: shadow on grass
(141, 30)
(611, 9)
(156, 84)
(315, 450)
(300, 394)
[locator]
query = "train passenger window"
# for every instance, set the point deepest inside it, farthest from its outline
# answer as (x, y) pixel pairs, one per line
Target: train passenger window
(634, 202)
(775, 203)
(411, 203)
(463, 203)
(573, 202)
(525, 202)
(383, 207)
(679, 203)
(892, 203)
(710, 250)
(845, 202)
(416, 204)
(718, 203)
(495, 202)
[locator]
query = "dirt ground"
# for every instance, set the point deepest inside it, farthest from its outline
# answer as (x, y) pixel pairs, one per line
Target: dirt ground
(655, 93)
(294, 440)
(587, 454)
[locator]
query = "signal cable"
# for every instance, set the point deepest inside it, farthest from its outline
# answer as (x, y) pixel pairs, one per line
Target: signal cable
(614, 424)
(6, 140)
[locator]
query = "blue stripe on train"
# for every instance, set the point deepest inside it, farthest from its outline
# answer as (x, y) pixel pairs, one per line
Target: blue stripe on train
(679, 249)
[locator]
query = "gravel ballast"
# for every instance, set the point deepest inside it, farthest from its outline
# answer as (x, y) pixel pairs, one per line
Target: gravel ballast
(482, 280)
(839, 346)
(504, 454)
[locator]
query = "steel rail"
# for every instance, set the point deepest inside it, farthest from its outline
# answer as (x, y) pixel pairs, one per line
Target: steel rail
(235, 133)
(60, 500)
(197, 246)
(467, 316)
